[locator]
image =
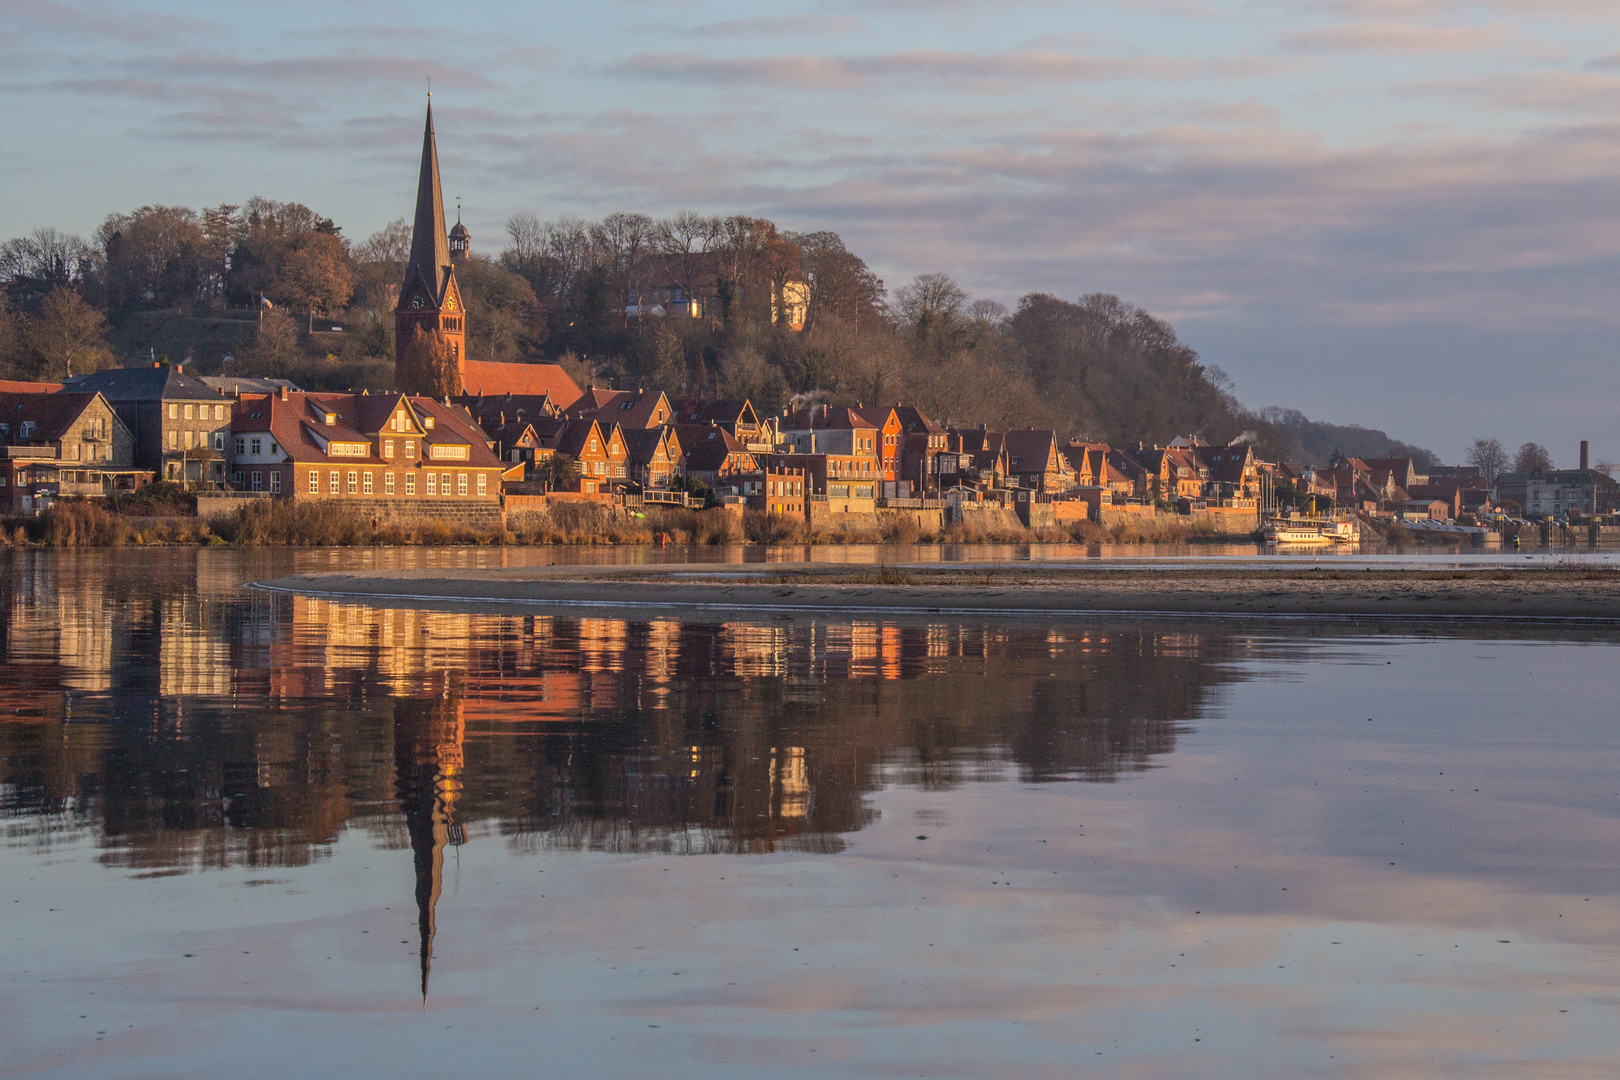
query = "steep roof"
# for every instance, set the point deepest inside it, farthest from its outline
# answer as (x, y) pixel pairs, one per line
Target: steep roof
(707, 447)
(51, 414)
(1031, 447)
(430, 244)
(359, 417)
(642, 443)
(627, 408)
(732, 411)
(158, 382)
(488, 379)
(914, 420)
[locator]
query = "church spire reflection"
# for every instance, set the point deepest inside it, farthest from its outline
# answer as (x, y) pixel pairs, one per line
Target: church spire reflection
(427, 766)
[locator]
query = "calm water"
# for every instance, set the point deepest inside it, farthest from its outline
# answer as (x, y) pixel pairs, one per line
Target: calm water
(268, 836)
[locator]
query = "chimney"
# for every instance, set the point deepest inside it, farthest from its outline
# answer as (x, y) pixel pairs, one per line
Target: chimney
(179, 369)
(282, 391)
(1584, 448)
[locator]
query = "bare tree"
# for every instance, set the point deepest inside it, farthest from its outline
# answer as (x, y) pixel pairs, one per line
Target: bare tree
(1489, 457)
(68, 337)
(929, 300)
(1530, 457)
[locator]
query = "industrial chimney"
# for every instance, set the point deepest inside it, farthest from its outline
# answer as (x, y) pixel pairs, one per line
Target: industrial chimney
(1583, 455)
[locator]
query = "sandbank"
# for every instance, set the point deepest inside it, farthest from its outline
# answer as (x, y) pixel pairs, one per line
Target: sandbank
(1584, 594)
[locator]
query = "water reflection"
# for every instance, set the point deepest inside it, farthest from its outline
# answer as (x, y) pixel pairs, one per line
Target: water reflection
(184, 723)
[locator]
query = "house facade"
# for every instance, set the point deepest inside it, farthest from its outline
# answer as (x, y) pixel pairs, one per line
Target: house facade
(401, 457)
(62, 445)
(179, 423)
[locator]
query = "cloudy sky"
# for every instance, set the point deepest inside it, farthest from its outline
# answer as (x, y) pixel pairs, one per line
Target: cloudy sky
(1403, 213)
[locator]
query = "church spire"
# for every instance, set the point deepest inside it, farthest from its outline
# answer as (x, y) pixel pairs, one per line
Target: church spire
(430, 246)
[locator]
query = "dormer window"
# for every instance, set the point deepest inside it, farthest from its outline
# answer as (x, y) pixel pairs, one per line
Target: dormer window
(331, 419)
(427, 422)
(28, 427)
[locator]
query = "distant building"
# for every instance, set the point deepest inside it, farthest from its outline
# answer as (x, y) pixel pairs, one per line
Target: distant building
(179, 423)
(1560, 492)
(60, 445)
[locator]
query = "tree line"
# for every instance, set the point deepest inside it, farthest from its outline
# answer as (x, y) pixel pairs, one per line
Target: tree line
(575, 292)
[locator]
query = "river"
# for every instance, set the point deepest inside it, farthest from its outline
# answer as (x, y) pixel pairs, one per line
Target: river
(265, 835)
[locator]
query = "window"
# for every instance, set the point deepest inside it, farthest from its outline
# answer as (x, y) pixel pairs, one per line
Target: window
(444, 483)
(410, 448)
(388, 483)
(366, 483)
(354, 482)
(275, 481)
(410, 483)
(461, 484)
(314, 482)
(388, 448)
(188, 440)
(258, 446)
(219, 441)
(333, 483)
(174, 411)
(241, 446)
(432, 483)
(483, 482)
(174, 439)
(258, 480)
(219, 412)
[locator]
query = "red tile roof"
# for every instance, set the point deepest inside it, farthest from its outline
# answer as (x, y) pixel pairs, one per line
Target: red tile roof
(9, 387)
(489, 378)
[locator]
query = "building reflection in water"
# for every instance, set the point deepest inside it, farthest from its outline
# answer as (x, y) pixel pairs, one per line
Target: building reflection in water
(183, 724)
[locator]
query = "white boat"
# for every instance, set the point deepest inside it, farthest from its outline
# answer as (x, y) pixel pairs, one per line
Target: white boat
(1317, 531)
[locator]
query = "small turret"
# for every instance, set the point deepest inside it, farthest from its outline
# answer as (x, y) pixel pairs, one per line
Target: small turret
(460, 239)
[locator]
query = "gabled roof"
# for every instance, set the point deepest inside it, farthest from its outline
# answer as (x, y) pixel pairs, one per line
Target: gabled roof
(732, 412)
(879, 416)
(487, 378)
(158, 382)
(8, 386)
(642, 443)
(827, 418)
(294, 420)
(915, 421)
(574, 435)
(627, 408)
(52, 415)
(233, 385)
(1030, 446)
(707, 447)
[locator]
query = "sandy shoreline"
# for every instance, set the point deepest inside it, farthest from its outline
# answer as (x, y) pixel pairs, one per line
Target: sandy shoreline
(1586, 594)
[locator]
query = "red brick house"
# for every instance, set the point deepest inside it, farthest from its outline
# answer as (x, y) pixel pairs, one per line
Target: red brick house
(363, 447)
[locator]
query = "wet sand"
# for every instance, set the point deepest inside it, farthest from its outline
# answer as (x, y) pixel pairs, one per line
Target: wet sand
(1534, 594)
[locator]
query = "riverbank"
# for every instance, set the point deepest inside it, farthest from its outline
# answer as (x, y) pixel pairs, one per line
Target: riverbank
(276, 523)
(1584, 593)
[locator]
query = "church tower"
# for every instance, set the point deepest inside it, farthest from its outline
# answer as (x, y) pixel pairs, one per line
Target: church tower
(429, 298)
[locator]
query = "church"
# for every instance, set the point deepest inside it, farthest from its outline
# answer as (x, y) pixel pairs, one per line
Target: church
(430, 323)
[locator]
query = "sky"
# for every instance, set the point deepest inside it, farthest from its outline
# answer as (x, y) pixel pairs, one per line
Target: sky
(1399, 213)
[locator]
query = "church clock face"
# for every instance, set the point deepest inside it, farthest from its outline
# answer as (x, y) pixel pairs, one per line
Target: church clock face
(416, 303)
(450, 304)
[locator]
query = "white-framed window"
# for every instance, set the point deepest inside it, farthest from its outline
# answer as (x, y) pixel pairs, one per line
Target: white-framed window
(275, 481)
(258, 480)
(366, 483)
(483, 484)
(219, 412)
(388, 483)
(334, 482)
(410, 483)
(354, 482)
(314, 482)
(432, 483)
(388, 448)
(461, 483)
(410, 448)
(174, 439)
(241, 446)
(188, 440)
(219, 440)
(257, 445)
(174, 411)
